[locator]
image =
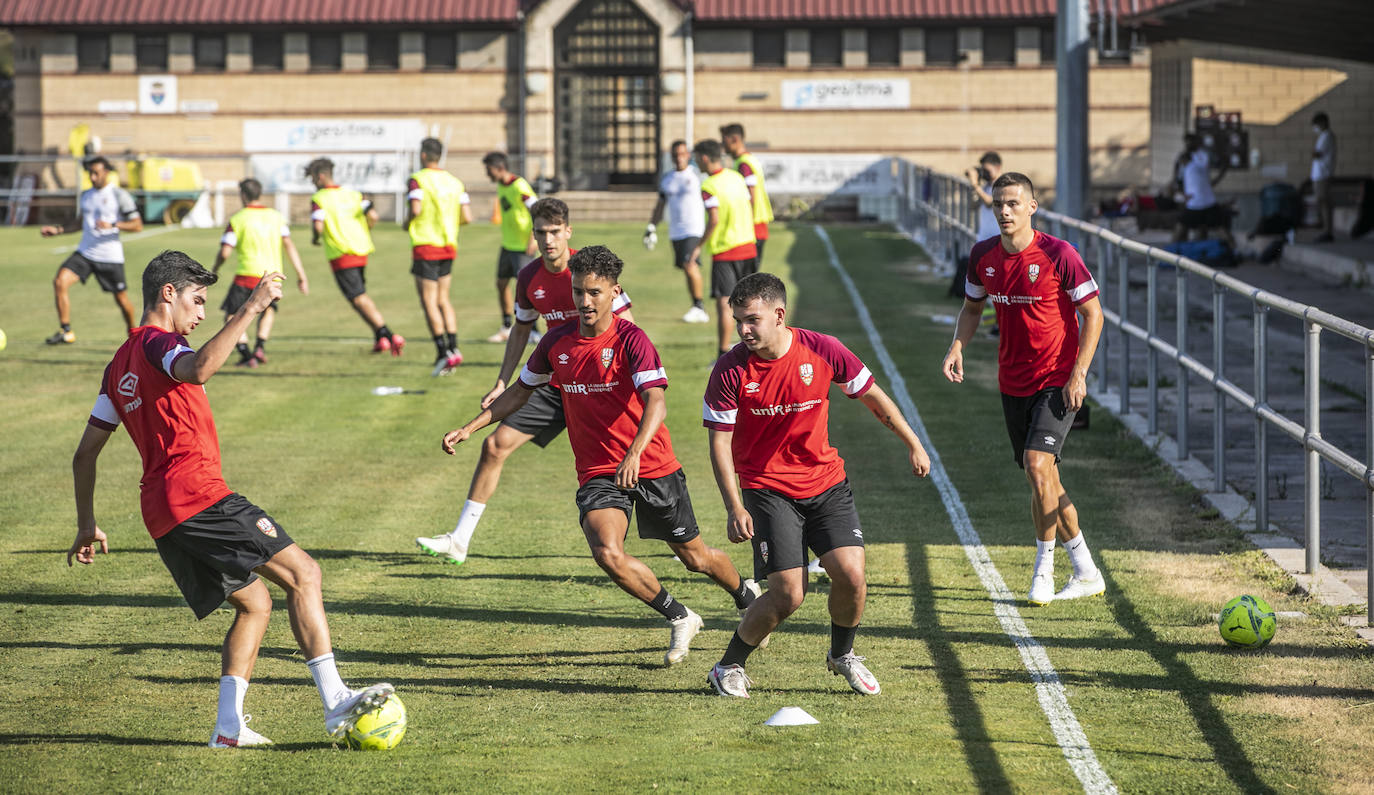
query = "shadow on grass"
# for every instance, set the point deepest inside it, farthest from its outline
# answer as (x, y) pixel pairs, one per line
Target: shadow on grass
(91, 739)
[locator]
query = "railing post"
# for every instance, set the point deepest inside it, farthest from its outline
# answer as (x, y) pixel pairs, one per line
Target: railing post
(1218, 397)
(1123, 303)
(1152, 355)
(1103, 287)
(1312, 420)
(1261, 425)
(1368, 476)
(1181, 323)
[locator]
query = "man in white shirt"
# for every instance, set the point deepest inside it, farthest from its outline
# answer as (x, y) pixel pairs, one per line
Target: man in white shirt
(1323, 167)
(106, 210)
(680, 191)
(1200, 208)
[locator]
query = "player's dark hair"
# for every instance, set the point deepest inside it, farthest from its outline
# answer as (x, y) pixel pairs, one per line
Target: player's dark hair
(176, 268)
(320, 165)
(597, 261)
(732, 129)
(1015, 178)
(551, 210)
(708, 148)
(250, 189)
(496, 160)
(91, 161)
(763, 286)
(991, 158)
(1321, 119)
(676, 144)
(431, 149)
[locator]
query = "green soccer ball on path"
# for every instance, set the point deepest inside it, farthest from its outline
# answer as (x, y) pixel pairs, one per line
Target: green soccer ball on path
(381, 729)
(1247, 622)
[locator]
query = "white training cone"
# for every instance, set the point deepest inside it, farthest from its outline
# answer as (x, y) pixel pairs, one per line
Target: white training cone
(790, 716)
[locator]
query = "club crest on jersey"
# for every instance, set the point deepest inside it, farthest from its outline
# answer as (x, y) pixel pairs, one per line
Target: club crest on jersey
(128, 385)
(268, 529)
(751, 388)
(807, 373)
(606, 354)
(1034, 272)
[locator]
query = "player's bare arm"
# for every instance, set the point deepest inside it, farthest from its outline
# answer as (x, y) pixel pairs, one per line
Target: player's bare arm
(464, 215)
(88, 534)
(1090, 330)
(318, 227)
(225, 250)
(739, 525)
(134, 224)
(888, 414)
(712, 220)
(302, 282)
(515, 346)
(371, 216)
(965, 326)
(415, 206)
(213, 354)
(506, 404)
(655, 410)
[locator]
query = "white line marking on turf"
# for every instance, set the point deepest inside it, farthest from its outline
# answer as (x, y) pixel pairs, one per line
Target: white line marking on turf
(1048, 687)
(123, 238)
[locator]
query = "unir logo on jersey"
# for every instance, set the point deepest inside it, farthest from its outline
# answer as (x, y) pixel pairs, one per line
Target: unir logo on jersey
(268, 529)
(606, 354)
(807, 373)
(1034, 272)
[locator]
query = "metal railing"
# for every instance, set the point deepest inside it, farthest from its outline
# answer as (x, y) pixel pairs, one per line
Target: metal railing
(940, 206)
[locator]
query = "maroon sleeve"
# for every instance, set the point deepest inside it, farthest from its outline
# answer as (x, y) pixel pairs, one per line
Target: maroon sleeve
(641, 358)
(522, 285)
(103, 414)
(745, 170)
(162, 349)
(1074, 277)
(413, 184)
(846, 368)
(720, 404)
(980, 250)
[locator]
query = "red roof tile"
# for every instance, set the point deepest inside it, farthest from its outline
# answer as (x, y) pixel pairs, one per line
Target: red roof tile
(72, 13)
(817, 10)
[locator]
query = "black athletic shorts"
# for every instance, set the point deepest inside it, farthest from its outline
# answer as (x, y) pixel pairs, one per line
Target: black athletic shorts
(213, 553)
(1037, 422)
(541, 416)
(110, 275)
(352, 281)
(508, 265)
(682, 249)
(1205, 218)
(236, 297)
(431, 269)
(758, 260)
(724, 275)
(665, 508)
(785, 527)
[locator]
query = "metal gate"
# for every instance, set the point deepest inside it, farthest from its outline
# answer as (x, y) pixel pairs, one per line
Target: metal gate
(607, 97)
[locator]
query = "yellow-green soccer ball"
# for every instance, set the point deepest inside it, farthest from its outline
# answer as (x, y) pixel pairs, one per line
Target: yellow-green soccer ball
(1247, 622)
(381, 729)
(3, 339)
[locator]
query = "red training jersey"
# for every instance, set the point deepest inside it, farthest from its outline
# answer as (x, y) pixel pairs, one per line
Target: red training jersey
(1034, 292)
(540, 292)
(602, 379)
(779, 411)
(169, 422)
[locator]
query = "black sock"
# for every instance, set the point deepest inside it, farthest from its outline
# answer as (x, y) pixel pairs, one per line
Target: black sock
(671, 608)
(841, 640)
(440, 344)
(260, 344)
(383, 331)
(242, 348)
(66, 326)
(507, 321)
(743, 596)
(696, 302)
(451, 340)
(737, 652)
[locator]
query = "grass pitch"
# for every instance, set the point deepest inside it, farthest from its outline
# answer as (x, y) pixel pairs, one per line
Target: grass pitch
(525, 669)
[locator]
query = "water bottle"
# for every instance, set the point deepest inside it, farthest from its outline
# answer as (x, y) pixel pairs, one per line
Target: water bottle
(388, 390)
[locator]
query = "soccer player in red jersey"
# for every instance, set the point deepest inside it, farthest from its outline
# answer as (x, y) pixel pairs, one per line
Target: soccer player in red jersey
(215, 543)
(1036, 283)
(543, 288)
(612, 385)
(767, 406)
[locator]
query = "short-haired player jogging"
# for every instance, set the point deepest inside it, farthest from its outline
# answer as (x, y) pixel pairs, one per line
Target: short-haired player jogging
(1036, 283)
(612, 385)
(217, 545)
(732, 141)
(767, 408)
(259, 234)
(106, 210)
(439, 204)
(542, 289)
(342, 219)
(729, 233)
(679, 191)
(515, 197)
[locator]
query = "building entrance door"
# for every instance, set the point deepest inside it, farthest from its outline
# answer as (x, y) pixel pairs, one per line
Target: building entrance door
(606, 96)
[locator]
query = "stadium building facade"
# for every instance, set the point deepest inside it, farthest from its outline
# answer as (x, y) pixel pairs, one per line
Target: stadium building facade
(589, 92)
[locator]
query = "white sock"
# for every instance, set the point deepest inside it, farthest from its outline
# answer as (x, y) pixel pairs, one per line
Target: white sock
(467, 522)
(327, 680)
(1082, 560)
(1044, 557)
(230, 718)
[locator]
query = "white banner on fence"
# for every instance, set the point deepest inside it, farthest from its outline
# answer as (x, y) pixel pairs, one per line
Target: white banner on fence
(332, 135)
(869, 175)
(370, 173)
(845, 94)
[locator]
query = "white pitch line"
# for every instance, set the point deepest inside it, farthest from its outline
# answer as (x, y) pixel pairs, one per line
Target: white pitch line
(123, 238)
(1048, 687)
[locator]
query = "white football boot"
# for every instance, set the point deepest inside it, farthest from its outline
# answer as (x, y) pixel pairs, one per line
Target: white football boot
(1041, 590)
(344, 715)
(443, 546)
(1079, 587)
(851, 667)
(245, 738)
(730, 680)
(680, 641)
